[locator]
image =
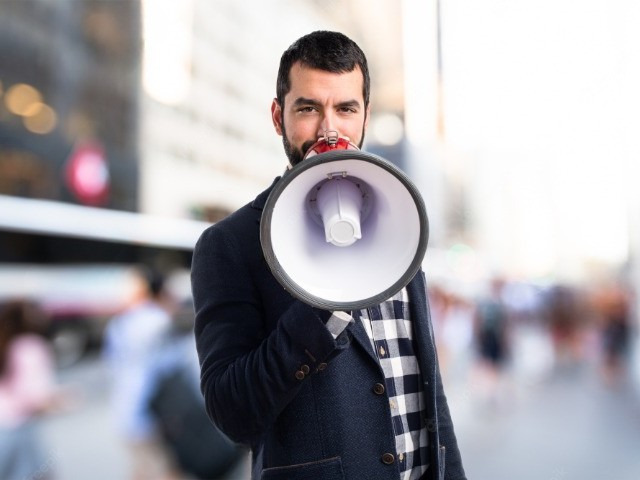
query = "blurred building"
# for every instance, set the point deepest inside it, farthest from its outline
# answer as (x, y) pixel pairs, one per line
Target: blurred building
(160, 108)
(208, 77)
(69, 114)
(68, 118)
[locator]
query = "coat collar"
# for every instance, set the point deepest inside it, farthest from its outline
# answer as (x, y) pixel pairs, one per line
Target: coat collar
(261, 199)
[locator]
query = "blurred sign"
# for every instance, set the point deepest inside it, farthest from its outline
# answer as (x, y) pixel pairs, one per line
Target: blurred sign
(87, 174)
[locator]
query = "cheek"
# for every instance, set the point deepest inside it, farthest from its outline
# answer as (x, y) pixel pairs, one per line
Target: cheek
(355, 132)
(300, 131)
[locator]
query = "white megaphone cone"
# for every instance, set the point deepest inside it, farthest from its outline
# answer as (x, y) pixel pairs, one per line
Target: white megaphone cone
(344, 229)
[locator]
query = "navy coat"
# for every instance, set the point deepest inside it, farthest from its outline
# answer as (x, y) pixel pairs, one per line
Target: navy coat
(273, 377)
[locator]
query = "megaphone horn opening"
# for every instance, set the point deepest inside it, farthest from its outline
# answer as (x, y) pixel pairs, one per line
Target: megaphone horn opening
(392, 219)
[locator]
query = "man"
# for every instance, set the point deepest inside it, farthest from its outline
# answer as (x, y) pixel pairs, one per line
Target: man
(316, 394)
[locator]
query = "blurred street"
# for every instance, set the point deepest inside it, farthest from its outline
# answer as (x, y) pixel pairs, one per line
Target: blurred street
(556, 424)
(567, 426)
(83, 443)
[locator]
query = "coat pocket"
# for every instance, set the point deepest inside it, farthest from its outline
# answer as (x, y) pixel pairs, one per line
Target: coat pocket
(442, 462)
(329, 469)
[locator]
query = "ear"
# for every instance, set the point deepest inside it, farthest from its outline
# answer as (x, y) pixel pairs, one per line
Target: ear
(276, 116)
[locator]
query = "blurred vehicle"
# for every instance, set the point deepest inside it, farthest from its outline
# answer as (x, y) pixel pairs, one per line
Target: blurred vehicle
(79, 299)
(76, 262)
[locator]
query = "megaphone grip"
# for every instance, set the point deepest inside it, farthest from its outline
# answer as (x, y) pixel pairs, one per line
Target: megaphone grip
(339, 202)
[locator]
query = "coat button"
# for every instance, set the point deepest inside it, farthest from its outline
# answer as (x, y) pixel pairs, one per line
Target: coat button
(300, 375)
(388, 458)
(305, 369)
(322, 366)
(378, 389)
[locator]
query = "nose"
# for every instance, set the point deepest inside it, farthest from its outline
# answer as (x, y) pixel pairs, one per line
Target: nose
(328, 123)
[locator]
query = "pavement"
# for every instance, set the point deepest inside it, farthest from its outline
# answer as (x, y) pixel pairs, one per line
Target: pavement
(566, 426)
(559, 424)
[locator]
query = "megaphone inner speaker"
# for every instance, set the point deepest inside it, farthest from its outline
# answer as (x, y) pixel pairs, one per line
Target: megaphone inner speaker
(392, 236)
(339, 204)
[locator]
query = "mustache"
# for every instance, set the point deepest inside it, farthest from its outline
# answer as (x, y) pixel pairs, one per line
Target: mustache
(307, 145)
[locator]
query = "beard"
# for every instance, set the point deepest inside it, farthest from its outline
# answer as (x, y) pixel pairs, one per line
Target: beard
(296, 155)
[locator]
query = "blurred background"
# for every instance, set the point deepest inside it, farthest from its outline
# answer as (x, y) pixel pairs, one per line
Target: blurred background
(127, 127)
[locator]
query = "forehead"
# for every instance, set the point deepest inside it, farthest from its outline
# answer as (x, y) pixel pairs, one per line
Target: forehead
(319, 84)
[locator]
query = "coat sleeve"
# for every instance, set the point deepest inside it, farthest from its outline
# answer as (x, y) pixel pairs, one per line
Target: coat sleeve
(249, 371)
(453, 468)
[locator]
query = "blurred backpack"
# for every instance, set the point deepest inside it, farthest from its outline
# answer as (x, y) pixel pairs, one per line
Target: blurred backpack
(199, 448)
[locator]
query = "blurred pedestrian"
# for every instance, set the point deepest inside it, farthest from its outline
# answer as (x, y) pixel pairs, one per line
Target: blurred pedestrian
(614, 306)
(132, 340)
(491, 333)
(452, 318)
(567, 319)
(27, 390)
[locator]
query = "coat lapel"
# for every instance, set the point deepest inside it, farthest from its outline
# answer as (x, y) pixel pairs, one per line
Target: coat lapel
(360, 335)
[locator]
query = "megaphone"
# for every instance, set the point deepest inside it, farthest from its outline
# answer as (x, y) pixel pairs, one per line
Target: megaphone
(344, 230)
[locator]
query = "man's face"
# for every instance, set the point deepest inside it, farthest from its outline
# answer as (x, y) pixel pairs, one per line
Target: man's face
(319, 101)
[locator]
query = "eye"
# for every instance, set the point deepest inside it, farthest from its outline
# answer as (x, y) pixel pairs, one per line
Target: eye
(307, 109)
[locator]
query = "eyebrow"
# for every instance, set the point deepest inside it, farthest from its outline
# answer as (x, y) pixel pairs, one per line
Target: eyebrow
(309, 101)
(304, 101)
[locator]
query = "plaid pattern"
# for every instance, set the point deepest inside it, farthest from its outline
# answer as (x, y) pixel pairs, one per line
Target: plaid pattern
(337, 322)
(389, 328)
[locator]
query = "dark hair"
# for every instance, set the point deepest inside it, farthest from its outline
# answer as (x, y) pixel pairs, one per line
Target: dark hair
(329, 51)
(153, 278)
